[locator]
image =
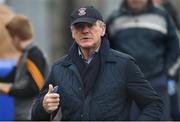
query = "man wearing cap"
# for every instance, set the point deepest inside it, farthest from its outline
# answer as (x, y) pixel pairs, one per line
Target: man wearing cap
(95, 82)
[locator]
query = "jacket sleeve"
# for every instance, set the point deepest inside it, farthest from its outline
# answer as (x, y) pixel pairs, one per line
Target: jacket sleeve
(142, 93)
(38, 112)
(172, 50)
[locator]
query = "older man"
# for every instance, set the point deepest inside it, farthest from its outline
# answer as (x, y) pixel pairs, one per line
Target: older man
(95, 82)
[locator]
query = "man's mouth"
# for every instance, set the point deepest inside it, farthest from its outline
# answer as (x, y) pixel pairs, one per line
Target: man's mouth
(85, 38)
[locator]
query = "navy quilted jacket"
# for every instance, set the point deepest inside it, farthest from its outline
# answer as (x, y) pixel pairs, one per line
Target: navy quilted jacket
(120, 81)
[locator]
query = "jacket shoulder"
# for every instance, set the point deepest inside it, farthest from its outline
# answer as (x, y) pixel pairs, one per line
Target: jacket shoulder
(120, 55)
(61, 60)
(159, 11)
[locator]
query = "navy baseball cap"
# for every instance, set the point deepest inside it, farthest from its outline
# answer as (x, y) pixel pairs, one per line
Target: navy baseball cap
(87, 14)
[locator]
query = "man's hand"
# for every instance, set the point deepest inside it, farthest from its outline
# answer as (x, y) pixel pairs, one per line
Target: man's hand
(51, 100)
(5, 88)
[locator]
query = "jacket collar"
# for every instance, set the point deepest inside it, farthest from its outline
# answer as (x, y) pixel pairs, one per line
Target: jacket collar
(104, 50)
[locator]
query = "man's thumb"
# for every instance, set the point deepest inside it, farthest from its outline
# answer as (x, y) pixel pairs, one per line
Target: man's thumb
(50, 88)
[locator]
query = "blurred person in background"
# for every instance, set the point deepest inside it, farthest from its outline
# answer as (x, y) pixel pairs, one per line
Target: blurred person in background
(95, 82)
(31, 69)
(149, 35)
(8, 60)
(175, 69)
(7, 50)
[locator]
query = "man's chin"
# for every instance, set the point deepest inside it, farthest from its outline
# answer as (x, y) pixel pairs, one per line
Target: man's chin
(86, 46)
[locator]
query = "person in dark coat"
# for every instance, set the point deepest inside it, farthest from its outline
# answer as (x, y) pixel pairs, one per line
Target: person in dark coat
(148, 34)
(174, 72)
(94, 81)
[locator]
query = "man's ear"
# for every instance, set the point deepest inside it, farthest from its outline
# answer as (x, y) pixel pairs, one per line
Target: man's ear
(72, 32)
(103, 31)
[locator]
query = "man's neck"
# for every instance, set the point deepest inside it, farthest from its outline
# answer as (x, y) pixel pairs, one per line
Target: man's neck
(87, 53)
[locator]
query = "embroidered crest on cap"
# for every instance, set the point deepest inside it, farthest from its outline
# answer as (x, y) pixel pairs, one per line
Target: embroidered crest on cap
(82, 11)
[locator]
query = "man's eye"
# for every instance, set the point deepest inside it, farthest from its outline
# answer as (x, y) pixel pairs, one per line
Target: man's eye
(89, 25)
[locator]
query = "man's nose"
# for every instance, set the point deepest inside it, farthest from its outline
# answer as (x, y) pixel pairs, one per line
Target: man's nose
(85, 29)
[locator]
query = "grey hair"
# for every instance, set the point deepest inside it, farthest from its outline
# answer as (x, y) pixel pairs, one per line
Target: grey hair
(101, 23)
